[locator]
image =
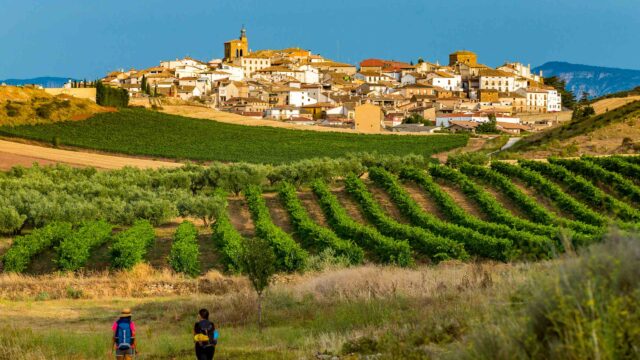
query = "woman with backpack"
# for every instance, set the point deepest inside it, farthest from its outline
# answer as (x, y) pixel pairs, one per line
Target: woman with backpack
(124, 336)
(205, 336)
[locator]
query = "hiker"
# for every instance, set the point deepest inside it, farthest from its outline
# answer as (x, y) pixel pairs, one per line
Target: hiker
(205, 336)
(124, 336)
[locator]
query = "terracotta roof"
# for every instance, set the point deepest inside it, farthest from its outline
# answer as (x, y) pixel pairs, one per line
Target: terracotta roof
(494, 73)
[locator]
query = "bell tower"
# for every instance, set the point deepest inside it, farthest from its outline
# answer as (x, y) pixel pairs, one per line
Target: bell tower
(237, 48)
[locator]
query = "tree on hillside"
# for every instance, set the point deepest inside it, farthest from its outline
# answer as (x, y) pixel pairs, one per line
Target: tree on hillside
(582, 112)
(258, 262)
(568, 98)
(416, 119)
(489, 127)
(143, 85)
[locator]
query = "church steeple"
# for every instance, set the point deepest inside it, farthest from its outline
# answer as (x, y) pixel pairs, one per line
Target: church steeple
(243, 33)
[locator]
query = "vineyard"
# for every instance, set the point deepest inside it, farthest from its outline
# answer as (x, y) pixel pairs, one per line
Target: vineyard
(388, 210)
(150, 133)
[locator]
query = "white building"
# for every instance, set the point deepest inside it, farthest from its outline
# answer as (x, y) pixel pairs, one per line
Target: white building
(235, 72)
(501, 81)
(445, 119)
(187, 61)
(450, 82)
(282, 113)
(554, 101)
(521, 70)
(252, 63)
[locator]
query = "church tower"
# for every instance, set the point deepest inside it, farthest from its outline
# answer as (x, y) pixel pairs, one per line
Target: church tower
(236, 48)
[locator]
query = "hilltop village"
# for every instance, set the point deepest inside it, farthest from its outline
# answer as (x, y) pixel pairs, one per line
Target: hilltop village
(298, 86)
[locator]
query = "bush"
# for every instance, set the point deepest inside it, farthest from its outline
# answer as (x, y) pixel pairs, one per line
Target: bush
(289, 255)
(437, 248)
(385, 249)
(313, 235)
(25, 248)
(456, 214)
(131, 245)
(496, 212)
(184, 254)
(74, 251)
(552, 191)
(229, 242)
(584, 308)
(586, 190)
(10, 220)
(474, 242)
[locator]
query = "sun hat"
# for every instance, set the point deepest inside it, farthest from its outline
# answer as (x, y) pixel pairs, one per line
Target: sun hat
(125, 313)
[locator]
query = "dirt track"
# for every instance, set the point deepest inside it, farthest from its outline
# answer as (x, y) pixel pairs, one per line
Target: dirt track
(12, 153)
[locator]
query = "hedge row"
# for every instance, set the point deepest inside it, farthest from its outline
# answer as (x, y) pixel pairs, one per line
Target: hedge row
(537, 212)
(74, 251)
(623, 186)
(130, 246)
(531, 246)
(489, 205)
(384, 248)
(25, 248)
(476, 243)
(436, 247)
(290, 256)
(619, 165)
(229, 242)
(585, 189)
(552, 191)
(185, 251)
(313, 235)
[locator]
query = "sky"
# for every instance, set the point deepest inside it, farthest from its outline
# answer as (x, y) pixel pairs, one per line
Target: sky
(88, 38)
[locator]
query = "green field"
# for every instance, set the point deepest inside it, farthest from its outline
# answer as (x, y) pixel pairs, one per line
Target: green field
(143, 132)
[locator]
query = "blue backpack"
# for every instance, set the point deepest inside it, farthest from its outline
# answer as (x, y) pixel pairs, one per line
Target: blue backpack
(123, 334)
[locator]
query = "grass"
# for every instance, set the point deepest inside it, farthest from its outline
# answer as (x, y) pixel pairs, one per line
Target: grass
(574, 128)
(144, 132)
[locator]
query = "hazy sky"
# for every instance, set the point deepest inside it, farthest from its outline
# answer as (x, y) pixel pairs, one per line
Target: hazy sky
(86, 38)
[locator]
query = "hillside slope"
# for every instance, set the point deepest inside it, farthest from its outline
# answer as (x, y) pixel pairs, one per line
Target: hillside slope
(612, 132)
(27, 106)
(595, 80)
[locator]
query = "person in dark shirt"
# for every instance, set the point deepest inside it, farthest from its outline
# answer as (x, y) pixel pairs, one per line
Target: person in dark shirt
(205, 336)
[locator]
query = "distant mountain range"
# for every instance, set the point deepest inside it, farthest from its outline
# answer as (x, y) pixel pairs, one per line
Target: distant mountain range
(595, 80)
(47, 81)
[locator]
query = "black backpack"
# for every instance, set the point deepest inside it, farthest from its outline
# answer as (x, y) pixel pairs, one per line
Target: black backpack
(207, 328)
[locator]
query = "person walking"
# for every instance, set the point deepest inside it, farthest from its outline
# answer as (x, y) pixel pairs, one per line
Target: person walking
(205, 336)
(124, 336)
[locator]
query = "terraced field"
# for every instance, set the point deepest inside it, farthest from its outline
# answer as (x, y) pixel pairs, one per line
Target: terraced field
(501, 212)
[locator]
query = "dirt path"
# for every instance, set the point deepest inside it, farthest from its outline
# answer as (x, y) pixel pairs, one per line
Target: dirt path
(352, 207)
(423, 199)
(13, 153)
(462, 200)
(279, 214)
(240, 216)
(310, 202)
(386, 203)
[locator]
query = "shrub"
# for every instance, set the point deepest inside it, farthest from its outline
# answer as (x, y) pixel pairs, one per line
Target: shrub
(10, 220)
(474, 242)
(534, 210)
(131, 245)
(314, 235)
(289, 255)
(552, 191)
(383, 248)
(435, 247)
(24, 248)
(74, 251)
(229, 242)
(586, 190)
(586, 308)
(534, 244)
(184, 254)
